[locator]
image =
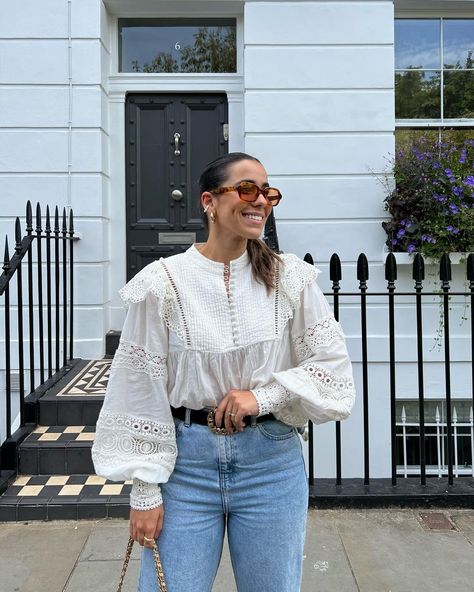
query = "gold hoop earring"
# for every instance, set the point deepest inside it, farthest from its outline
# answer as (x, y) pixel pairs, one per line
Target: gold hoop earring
(212, 216)
(206, 208)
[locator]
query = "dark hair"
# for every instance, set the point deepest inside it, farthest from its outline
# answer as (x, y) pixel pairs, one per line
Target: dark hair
(262, 258)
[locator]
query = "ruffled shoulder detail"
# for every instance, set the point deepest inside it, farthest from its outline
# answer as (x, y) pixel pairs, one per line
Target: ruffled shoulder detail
(294, 275)
(155, 279)
(151, 278)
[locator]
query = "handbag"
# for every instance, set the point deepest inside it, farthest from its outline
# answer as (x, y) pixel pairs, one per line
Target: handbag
(158, 567)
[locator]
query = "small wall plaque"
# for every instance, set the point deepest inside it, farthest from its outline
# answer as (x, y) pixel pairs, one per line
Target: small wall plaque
(176, 238)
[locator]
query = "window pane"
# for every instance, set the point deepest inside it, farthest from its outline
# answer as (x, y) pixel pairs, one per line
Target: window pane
(177, 45)
(458, 94)
(417, 43)
(458, 43)
(417, 95)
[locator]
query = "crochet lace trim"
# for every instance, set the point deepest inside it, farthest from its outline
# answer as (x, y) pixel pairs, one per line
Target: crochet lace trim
(330, 386)
(156, 279)
(145, 496)
(122, 439)
(294, 275)
(272, 397)
(136, 357)
(320, 334)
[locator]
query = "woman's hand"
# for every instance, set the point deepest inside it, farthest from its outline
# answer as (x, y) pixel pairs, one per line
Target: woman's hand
(146, 523)
(233, 407)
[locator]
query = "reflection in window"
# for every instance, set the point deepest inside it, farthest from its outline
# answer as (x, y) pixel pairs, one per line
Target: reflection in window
(417, 94)
(177, 45)
(417, 43)
(458, 43)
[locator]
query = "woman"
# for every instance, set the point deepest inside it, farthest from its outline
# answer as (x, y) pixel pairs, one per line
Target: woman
(226, 350)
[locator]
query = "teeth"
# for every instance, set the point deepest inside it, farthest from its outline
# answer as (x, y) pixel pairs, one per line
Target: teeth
(253, 217)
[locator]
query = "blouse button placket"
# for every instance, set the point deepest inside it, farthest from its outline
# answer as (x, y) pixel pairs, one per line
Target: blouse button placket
(230, 297)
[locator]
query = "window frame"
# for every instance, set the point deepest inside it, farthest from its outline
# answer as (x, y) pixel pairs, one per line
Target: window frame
(419, 123)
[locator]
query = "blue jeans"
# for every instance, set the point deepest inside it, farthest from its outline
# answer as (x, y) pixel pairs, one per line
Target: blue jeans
(254, 484)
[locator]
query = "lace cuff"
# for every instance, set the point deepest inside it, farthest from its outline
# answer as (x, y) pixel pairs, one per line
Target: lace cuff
(145, 496)
(272, 397)
(320, 334)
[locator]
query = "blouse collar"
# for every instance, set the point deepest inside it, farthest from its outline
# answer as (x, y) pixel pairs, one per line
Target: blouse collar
(211, 265)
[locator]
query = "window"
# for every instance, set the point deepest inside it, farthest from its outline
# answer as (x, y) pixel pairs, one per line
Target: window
(408, 437)
(177, 45)
(434, 78)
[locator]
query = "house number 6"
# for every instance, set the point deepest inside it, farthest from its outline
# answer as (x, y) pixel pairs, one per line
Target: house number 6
(177, 46)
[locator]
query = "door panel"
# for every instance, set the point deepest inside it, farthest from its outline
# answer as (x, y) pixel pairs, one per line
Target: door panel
(163, 210)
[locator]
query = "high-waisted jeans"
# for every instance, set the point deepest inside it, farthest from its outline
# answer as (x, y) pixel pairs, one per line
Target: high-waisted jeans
(254, 483)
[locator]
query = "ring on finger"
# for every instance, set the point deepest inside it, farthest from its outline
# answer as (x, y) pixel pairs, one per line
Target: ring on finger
(148, 540)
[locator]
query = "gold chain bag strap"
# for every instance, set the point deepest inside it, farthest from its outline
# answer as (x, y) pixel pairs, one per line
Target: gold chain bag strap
(159, 568)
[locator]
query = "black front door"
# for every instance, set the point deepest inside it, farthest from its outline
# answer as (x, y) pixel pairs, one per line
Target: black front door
(169, 140)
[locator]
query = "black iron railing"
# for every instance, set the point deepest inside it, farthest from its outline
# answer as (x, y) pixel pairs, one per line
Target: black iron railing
(43, 297)
(392, 296)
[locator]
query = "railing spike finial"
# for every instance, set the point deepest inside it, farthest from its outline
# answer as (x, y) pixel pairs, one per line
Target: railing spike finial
(38, 218)
(470, 267)
(29, 218)
(71, 223)
(48, 221)
(6, 256)
(309, 258)
(335, 270)
(445, 268)
(390, 268)
(17, 235)
(418, 268)
(362, 268)
(64, 229)
(56, 220)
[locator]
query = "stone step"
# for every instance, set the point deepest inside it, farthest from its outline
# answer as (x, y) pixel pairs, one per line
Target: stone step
(57, 450)
(64, 497)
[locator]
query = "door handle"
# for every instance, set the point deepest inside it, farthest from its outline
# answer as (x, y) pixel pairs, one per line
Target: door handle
(177, 195)
(177, 138)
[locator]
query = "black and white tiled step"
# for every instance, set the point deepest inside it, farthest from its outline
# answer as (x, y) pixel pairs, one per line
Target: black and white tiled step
(64, 497)
(57, 450)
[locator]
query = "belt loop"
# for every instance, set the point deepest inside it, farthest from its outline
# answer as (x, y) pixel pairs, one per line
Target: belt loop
(187, 417)
(253, 421)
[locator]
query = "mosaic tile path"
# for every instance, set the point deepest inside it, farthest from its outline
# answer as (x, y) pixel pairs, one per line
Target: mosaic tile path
(90, 381)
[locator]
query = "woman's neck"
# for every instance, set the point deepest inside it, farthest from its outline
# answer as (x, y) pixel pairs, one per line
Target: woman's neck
(222, 250)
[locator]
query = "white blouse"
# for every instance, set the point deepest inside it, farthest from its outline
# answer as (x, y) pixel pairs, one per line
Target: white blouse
(196, 329)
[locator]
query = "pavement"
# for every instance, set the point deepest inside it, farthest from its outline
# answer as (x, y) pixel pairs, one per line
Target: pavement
(383, 550)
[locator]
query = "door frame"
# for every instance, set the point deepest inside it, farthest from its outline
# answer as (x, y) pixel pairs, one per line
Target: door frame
(232, 85)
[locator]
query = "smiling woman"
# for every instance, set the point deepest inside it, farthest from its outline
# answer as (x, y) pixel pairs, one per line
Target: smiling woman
(227, 349)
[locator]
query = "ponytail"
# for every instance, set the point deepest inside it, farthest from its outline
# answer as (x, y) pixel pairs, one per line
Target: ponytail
(264, 262)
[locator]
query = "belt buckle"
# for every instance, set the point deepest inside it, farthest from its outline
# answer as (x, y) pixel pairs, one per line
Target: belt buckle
(211, 424)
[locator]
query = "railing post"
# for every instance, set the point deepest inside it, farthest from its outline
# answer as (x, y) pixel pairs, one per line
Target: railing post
(445, 277)
(19, 283)
(363, 276)
(8, 392)
(419, 276)
(335, 275)
(31, 325)
(40, 291)
(309, 259)
(391, 276)
(71, 285)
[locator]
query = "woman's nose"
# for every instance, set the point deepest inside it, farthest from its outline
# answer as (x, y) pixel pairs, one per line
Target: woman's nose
(261, 199)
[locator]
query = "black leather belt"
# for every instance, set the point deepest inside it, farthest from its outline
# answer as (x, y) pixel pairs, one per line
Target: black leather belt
(206, 417)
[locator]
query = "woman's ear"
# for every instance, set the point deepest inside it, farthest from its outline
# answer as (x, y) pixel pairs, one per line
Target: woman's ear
(206, 200)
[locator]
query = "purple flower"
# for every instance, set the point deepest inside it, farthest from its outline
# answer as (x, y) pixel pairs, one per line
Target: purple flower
(453, 229)
(462, 158)
(441, 198)
(469, 181)
(454, 208)
(400, 233)
(394, 241)
(411, 247)
(457, 191)
(449, 174)
(436, 165)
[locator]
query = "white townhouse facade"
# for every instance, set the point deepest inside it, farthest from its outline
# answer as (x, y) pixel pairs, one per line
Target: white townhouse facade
(103, 109)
